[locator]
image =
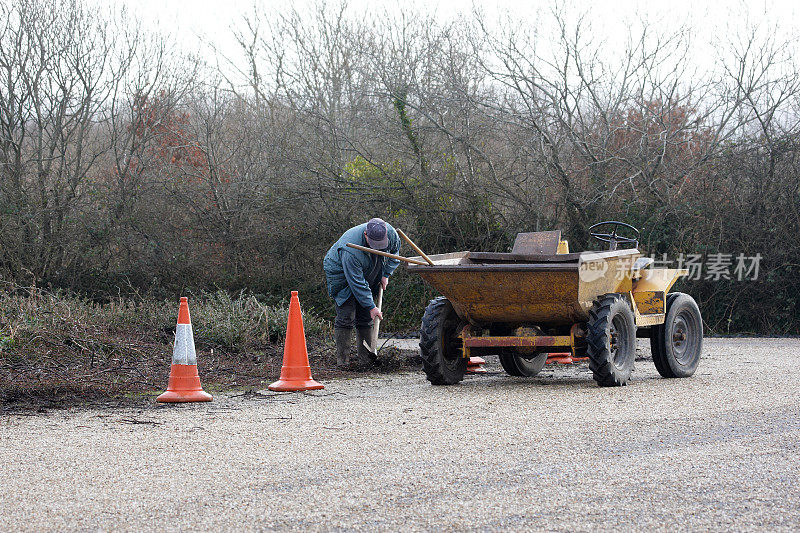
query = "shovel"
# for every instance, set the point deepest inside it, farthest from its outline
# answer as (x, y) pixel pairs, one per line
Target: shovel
(372, 345)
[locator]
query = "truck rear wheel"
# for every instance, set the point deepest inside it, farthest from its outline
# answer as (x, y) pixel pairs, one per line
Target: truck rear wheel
(440, 345)
(522, 366)
(611, 341)
(677, 343)
(656, 342)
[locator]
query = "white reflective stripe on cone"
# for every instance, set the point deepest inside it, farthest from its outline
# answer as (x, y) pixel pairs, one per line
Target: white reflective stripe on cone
(183, 353)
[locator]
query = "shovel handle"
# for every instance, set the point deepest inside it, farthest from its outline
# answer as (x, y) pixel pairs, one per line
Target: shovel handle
(376, 323)
(414, 246)
(386, 254)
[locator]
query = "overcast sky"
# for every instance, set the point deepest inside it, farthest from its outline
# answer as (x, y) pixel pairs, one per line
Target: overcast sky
(191, 20)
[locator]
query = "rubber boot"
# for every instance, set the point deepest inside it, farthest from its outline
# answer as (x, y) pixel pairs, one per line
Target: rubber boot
(344, 338)
(365, 357)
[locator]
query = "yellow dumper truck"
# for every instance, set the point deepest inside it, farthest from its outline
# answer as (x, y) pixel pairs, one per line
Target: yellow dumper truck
(541, 299)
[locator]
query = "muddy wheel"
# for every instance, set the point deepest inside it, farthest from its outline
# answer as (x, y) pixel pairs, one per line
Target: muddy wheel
(522, 366)
(677, 343)
(611, 341)
(439, 344)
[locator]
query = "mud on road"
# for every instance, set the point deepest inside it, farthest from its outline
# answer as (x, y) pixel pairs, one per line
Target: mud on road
(718, 451)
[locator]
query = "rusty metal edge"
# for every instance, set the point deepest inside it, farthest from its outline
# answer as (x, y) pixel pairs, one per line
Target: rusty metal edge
(540, 341)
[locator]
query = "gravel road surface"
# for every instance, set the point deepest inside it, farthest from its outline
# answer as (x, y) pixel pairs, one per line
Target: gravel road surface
(718, 451)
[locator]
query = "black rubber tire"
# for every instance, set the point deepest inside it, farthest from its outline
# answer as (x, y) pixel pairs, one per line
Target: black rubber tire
(655, 343)
(517, 365)
(678, 358)
(439, 344)
(611, 341)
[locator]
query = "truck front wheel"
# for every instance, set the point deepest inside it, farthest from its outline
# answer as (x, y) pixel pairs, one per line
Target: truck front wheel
(611, 341)
(440, 346)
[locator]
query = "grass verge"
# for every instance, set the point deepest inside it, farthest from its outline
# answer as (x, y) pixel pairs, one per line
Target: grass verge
(56, 347)
(61, 350)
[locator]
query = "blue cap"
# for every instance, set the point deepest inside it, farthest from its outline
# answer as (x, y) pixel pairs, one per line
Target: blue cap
(377, 236)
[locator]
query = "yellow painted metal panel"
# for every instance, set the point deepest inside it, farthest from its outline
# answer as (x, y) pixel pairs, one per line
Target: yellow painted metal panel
(649, 302)
(604, 273)
(658, 279)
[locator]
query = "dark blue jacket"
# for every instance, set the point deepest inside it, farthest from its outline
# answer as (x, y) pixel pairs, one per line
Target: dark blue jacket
(346, 268)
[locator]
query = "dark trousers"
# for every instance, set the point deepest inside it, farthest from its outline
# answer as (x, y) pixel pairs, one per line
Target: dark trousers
(350, 313)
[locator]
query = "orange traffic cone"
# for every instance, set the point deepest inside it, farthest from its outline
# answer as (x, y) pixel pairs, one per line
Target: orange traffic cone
(475, 365)
(564, 358)
(184, 381)
(295, 373)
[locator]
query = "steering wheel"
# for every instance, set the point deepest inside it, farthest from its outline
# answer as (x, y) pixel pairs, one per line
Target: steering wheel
(613, 239)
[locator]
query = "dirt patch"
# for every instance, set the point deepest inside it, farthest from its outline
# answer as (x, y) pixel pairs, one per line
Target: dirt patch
(60, 350)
